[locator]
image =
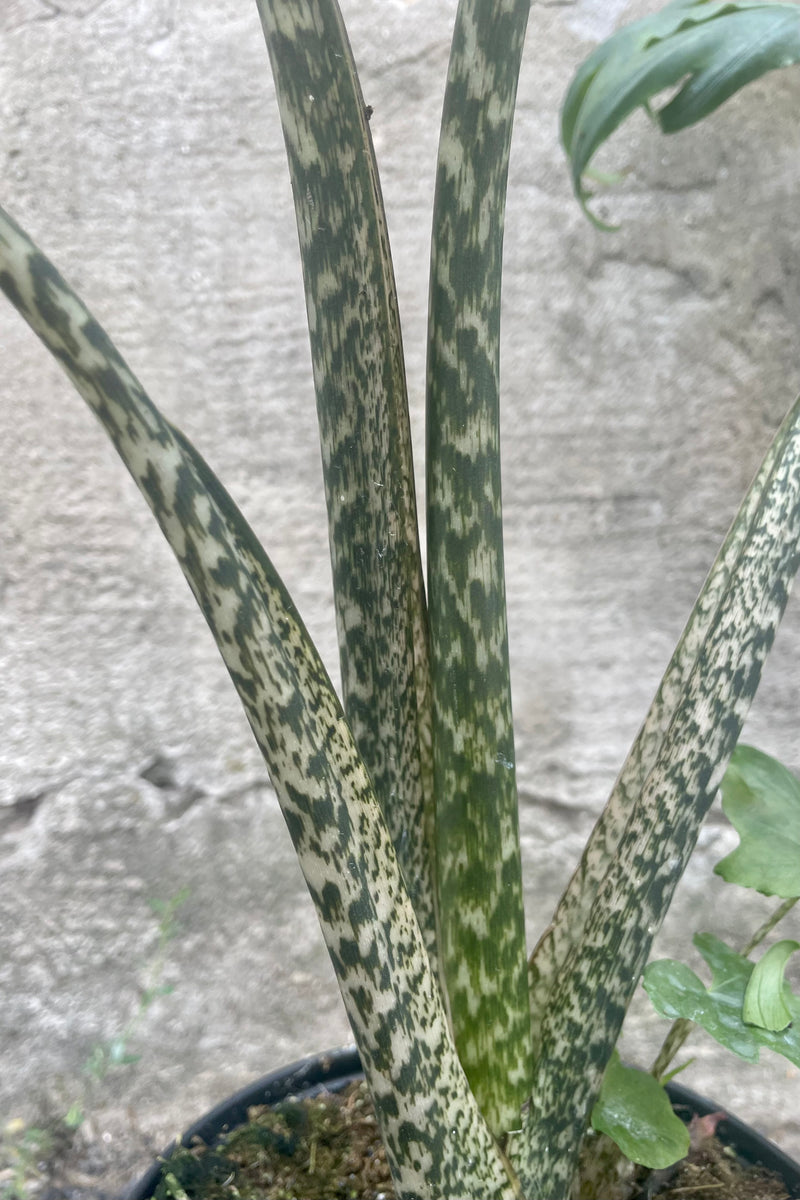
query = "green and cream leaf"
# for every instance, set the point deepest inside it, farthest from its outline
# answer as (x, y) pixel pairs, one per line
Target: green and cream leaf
(359, 376)
(567, 926)
(478, 851)
(436, 1139)
(588, 1001)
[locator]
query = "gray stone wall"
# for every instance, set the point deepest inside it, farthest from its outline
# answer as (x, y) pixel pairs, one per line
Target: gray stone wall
(644, 374)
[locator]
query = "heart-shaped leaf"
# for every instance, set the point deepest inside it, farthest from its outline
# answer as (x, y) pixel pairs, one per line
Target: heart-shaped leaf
(635, 1111)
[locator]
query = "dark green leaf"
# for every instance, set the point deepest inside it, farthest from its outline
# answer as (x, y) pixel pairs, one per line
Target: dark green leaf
(761, 799)
(708, 49)
(635, 1111)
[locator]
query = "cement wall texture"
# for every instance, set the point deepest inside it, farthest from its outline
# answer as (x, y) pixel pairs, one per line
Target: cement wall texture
(644, 374)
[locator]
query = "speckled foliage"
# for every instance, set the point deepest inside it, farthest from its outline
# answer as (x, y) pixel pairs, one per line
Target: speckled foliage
(480, 877)
(575, 905)
(359, 375)
(436, 1140)
(401, 802)
(585, 1010)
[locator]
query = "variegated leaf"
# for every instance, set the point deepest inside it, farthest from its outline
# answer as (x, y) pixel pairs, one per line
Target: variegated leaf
(588, 1002)
(437, 1142)
(575, 906)
(478, 855)
(359, 376)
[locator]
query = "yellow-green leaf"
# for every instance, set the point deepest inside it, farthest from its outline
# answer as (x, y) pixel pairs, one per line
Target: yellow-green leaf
(765, 998)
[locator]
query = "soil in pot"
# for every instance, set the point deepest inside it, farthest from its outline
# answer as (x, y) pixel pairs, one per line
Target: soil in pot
(328, 1148)
(710, 1171)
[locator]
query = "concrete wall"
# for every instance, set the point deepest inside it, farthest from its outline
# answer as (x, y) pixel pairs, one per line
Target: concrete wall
(644, 375)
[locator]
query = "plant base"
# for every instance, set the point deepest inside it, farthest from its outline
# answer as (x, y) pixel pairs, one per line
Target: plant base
(340, 1137)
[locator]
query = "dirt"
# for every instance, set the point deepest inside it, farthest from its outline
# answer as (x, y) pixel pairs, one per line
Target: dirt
(326, 1148)
(713, 1172)
(329, 1148)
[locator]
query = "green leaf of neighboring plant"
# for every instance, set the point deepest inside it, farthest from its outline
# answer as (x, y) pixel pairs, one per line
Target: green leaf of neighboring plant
(359, 377)
(709, 49)
(477, 822)
(761, 799)
(676, 991)
(326, 795)
(635, 1111)
(765, 997)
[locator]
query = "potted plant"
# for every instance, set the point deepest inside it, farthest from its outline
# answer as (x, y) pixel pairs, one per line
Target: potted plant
(401, 800)
(719, 1147)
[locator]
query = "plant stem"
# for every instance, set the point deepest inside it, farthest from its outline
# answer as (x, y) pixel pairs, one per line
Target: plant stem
(680, 1029)
(768, 926)
(678, 1033)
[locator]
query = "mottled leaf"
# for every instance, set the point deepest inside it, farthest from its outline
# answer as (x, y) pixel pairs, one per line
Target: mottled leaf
(359, 377)
(575, 906)
(436, 1140)
(672, 789)
(478, 853)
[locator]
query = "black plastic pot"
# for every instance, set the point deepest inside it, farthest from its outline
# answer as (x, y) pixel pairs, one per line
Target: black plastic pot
(338, 1068)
